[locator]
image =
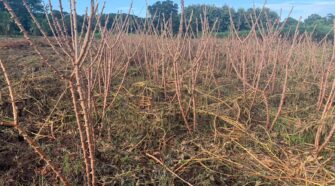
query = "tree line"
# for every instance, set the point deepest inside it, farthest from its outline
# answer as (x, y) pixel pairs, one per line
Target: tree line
(161, 13)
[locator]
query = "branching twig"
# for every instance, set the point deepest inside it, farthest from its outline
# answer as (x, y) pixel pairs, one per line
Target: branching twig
(167, 168)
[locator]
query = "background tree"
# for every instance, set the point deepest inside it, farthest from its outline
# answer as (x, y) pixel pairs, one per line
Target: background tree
(167, 10)
(330, 18)
(319, 26)
(20, 10)
(290, 26)
(240, 20)
(5, 23)
(7, 27)
(211, 14)
(314, 18)
(163, 11)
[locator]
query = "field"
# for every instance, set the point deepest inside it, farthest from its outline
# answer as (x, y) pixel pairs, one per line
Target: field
(164, 109)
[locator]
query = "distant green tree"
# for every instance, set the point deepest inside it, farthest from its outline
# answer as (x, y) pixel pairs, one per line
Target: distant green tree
(211, 15)
(163, 11)
(203, 16)
(5, 23)
(330, 18)
(240, 20)
(266, 16)
(134, 21)
(320, 31)
(197, 12)
(290, 21)
(163, 8)
(290, 27)
(21, 12)
(314, 19)
(224, 18)
(321, 27)
(18, 7)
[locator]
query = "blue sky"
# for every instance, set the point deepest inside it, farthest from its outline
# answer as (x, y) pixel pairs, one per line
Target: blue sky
(300, 7)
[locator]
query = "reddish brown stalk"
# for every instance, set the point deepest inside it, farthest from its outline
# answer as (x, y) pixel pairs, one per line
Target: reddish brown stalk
(79, 57)
(286, 77)
(178, 93)
(324, 80)
(81, 132)
(318, 135)
(7, 124)
(330, 101)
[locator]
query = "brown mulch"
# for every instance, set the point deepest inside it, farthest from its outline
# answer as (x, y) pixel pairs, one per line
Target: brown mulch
(13, 43)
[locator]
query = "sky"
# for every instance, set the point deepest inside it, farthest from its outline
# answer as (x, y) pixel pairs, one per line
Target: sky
(302, 8)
